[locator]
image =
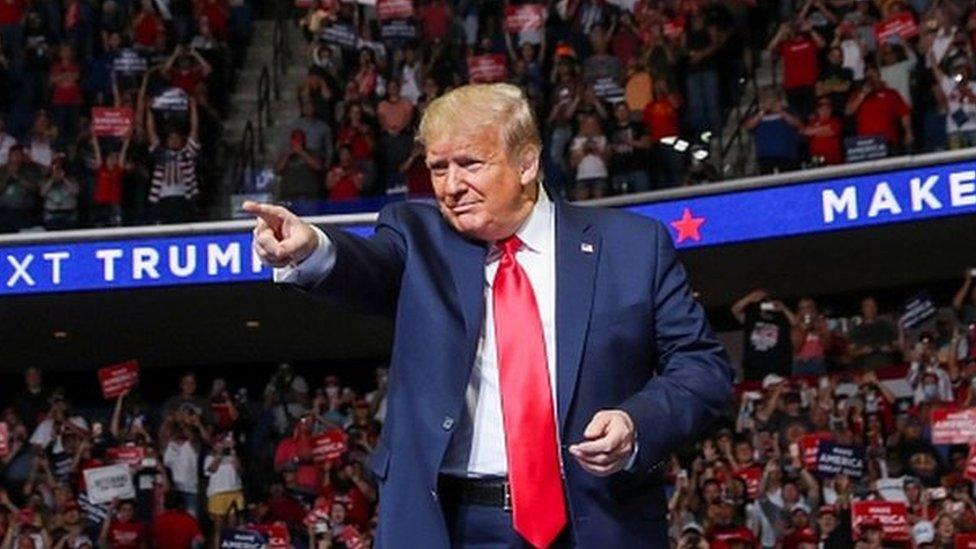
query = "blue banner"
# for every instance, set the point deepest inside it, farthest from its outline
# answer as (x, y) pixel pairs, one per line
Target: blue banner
(828, 205)
(756, 214)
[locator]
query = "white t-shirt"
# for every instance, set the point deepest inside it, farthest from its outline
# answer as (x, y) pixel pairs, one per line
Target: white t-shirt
(181, 458)
(853, 57)
(591, 166)
(959, 107)
(224, 479)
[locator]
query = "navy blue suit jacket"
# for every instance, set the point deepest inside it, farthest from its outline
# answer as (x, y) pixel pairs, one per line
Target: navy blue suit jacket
(629, 336)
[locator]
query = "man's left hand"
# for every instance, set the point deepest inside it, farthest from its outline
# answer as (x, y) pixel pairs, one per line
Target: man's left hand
(608, 445)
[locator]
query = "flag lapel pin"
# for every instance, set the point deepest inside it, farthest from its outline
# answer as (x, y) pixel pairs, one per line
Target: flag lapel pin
(586, 247)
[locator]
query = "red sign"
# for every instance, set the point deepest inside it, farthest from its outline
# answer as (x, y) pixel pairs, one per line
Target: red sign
(129, 455)
(965, 541)
(118, 378)
(351, 538)
(808, 449)
(970, 471)
(524, 17)
(329, 446)
(4, 439)
(394, 9)
(486, 68)
(751, 476)
(111, 121)
(900, 24)
(953, 425)
(892, 515)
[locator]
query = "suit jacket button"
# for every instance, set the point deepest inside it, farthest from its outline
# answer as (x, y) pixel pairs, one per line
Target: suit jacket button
(433, 494)
(448, 423)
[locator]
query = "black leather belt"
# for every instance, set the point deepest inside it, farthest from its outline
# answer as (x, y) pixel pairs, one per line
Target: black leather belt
(490, 492)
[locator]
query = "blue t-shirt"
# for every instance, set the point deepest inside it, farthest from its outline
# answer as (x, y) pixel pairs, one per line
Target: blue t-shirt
(775, 138)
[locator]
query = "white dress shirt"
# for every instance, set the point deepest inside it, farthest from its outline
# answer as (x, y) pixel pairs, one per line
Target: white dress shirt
(477, 448)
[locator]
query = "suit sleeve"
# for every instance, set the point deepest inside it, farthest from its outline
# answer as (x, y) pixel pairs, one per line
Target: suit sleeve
(694, 378)
(365, 275)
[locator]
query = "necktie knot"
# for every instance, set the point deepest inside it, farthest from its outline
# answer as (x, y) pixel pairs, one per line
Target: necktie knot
(509, 245)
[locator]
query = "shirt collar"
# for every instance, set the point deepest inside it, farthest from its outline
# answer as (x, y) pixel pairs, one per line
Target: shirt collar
(534, 231)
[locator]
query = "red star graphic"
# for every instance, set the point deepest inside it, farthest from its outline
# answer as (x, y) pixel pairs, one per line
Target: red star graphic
(688, 226)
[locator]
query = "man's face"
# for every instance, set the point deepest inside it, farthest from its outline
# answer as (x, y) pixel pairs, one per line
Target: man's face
(480, 190)
(743, 452)
(827, 523)
(32, 378)
(869, 307)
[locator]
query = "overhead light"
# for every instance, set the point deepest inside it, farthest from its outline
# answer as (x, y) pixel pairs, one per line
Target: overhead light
(669, 140)
(252, 323)
(681, 145)
(699, 154)
(706, 137)
(60, 334)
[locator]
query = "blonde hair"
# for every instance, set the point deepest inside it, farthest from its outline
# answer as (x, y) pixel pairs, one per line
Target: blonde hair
(476, 107)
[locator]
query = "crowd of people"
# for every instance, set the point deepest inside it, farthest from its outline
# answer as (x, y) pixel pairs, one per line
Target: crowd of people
(290, 465)
(861, 79)
(106, 105)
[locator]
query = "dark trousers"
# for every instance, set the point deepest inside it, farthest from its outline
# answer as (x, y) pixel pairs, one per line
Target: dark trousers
(482, 527)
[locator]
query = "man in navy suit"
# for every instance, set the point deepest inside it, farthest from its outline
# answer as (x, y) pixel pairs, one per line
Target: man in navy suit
(547, 358)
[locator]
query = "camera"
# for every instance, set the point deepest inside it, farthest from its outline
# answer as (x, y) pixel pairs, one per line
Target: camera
(767, 307)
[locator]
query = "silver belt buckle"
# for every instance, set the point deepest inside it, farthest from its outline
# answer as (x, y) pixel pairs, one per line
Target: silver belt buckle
(507, 503)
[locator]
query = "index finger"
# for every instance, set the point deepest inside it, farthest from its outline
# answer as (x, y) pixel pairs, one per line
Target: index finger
(271, 214)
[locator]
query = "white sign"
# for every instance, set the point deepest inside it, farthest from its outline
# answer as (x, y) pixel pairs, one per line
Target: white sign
(107, 483)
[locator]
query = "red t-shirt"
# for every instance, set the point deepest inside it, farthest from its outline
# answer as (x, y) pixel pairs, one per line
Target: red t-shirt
(66, 93)
(146, 29)
(828, 146)
(108, 185)
(217, 15)
(345, 187)
(800, 64)
(880, 114)
(11, 11)
(187, 80)
(308, 474)
(661, 119)
(359, 146)
(175, 530)
(126, 535)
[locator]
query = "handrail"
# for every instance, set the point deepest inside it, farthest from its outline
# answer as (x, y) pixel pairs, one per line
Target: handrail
(737, 136)
(264, 119)
(245, 162)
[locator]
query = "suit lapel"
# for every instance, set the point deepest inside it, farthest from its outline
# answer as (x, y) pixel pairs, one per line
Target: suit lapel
(467, 262)
(577, 252)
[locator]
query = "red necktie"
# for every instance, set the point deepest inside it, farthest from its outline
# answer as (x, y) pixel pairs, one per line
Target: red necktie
(538, 507)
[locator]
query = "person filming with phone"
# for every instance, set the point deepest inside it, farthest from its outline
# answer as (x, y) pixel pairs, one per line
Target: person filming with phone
(547, 357)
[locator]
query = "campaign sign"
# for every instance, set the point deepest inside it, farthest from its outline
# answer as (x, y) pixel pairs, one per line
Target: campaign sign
(953, 425)
(834, 459)
(126, 455)
(398, 28)
(861, 148)
(329, 446)
(608, 89)
(4, 439)
(128, 61)
(486, 68)
(524, 17)
(917, 309)
(110, 482)
(351, 538)
(172, 99)
(394, 9)
(111, 121)
(892, 515)
(341, 34)
(243, 539)
(118, 378)
(970, 471)
(901, 24)
(751, 476)
(278, 536)
(808, 449)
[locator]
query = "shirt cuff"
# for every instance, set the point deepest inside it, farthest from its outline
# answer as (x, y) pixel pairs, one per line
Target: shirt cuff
(313, 268)
(632, 461)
